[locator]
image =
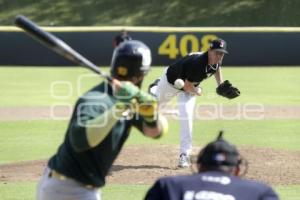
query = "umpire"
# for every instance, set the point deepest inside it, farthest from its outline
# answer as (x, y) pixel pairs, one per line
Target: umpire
(218, 179)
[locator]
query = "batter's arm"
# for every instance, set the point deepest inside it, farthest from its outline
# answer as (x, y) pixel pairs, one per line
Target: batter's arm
(97, 129)
(157, 128)
(91, 123)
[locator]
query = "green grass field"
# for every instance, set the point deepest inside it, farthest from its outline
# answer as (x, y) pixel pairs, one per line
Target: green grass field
(39, 139)
(26, 190)
(269, 86)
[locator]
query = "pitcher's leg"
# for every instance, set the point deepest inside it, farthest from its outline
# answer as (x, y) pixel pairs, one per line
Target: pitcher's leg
(164, 91)
(186, 104)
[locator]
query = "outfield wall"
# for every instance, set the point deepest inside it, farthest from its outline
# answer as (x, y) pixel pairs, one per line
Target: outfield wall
(257, 46)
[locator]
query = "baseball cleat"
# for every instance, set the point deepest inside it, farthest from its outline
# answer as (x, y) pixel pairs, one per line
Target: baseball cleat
(184, 161)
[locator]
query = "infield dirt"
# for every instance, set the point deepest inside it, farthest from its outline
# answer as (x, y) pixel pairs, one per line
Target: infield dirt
(143, 164)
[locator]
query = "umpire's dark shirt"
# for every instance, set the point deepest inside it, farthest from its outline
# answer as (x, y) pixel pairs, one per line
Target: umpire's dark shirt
(193, 67)
(213, 185)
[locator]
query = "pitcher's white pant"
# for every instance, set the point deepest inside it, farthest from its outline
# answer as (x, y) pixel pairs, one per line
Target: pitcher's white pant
(186, 103)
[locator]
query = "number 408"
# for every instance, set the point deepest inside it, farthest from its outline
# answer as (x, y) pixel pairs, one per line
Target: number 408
(170, 48)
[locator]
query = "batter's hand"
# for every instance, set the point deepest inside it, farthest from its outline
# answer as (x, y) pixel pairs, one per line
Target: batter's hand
(147, 106)
(143, 103)
(125, 91)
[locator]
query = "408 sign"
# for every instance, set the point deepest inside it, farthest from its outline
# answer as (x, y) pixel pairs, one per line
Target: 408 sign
(174, 46)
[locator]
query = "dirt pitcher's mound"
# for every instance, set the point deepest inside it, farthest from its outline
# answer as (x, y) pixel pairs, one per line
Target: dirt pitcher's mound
(143, 164)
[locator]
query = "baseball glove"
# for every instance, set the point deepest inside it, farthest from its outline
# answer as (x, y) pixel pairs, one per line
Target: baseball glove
(226, 89)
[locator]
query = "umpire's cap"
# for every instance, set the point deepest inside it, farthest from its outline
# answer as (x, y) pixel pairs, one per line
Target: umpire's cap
(219, 45)
(219, 153)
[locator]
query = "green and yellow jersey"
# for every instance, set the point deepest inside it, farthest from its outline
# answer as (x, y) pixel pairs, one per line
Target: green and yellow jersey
(75, 158)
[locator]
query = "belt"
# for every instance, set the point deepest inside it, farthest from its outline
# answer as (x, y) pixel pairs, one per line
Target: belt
(59, 176)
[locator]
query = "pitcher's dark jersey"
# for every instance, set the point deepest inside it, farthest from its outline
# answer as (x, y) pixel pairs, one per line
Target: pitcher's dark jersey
(194, 67)
(74, 158)
(213, 185)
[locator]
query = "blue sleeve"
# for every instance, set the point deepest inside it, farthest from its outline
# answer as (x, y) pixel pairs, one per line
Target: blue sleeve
(269, 194)
(155, 192)
(164, 189)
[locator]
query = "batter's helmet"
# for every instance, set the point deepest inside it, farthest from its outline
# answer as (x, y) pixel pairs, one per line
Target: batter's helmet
(131, 58)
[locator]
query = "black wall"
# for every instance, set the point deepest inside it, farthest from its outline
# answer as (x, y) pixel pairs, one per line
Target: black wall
(245, 48)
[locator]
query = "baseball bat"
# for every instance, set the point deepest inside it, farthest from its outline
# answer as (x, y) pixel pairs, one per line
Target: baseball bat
(57, 45)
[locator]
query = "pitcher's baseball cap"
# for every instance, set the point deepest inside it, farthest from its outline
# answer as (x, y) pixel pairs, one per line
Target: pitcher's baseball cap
(219, 45)
(219, 153)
